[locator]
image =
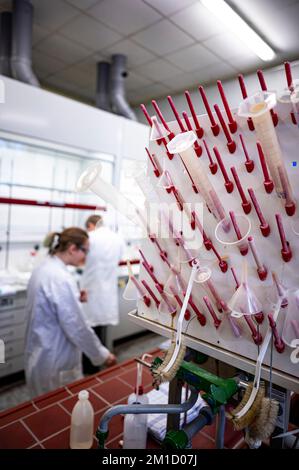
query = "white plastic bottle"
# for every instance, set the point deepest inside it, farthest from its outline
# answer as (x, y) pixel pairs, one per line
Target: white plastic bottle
(82, 422)
(135, 426)
(135, 431)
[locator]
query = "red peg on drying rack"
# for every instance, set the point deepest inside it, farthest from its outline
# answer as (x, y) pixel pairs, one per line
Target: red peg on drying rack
(149, 268)
(213, 165)
(259, 318)
(288, 71)
(235, 277)
(176, 114)
(200, 317)
(244, 247)
(268, 183)
(228, 184)
(149, 290)
(245, 203)
(261, 269)
(231, 144)
(149, 120)
(161, 117)
(220, 304)
(264, 226)
(222, 263)
(249, 164)
(175, 192)
(232, 123)
(198, 129)
(212, 312)
(286, 251)
(154, 162)
(290, 205)
(264, 88)
(163, 139)
(190, 177)
(244, 95)
(187, 315)
(256, 336)
(278, 342)
(196, 146)
(206, 241)
(214, 126)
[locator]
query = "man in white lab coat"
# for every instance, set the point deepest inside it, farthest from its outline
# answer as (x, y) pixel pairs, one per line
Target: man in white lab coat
(99, 279)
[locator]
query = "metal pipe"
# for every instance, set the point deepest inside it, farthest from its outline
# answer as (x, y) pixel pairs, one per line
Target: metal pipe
(5, 43)
(142, 409)
(102, 86)
(117, 88)
(220, 428)
(21, 59)
(205, 417)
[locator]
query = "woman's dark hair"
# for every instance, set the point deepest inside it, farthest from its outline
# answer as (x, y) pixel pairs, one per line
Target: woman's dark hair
(59, 242)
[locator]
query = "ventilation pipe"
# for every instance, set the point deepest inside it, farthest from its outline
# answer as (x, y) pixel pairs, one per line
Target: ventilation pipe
(117, 90)
(21, 61)
(5, 43)
(102, 93)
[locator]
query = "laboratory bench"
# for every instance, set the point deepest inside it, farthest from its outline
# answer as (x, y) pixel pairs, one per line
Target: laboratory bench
(44, 422)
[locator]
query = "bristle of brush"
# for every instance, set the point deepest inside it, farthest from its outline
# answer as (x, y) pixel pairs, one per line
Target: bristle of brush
(248, 418)
(159, 374)
(264, 424)
(169, 375)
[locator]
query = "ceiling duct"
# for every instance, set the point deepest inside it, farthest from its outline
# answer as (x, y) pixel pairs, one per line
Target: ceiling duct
(21, 59)
(117, 87)
(102, 92)
(5, 43)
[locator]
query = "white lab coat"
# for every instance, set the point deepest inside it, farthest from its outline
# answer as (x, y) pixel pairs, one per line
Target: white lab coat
(57, 331)
(100, 277)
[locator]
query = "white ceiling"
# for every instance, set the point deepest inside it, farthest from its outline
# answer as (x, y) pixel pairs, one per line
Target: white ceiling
(171, 45)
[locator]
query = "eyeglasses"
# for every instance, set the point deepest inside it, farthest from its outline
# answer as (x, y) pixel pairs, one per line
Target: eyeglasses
(85, 250)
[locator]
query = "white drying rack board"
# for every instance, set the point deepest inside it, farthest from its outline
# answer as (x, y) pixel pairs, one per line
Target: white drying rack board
(219, 343)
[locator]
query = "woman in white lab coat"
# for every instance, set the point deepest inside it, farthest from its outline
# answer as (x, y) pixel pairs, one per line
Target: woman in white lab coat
(57, 331)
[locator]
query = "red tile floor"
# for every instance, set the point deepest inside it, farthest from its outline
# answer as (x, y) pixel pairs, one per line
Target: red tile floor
(44, 423)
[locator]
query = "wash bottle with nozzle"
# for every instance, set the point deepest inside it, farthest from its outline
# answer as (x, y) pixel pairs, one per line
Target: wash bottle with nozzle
(135, 425)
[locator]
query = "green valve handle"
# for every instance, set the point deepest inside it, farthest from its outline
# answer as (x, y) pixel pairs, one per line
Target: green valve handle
(218, 390)
(175, 440)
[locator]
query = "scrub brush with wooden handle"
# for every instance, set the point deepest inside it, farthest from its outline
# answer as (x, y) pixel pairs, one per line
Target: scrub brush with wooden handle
(245, 420)
(239, 416)
(264, 423)
(175, 355)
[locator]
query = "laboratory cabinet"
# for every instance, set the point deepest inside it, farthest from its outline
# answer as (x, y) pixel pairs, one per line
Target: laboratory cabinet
(13, 324)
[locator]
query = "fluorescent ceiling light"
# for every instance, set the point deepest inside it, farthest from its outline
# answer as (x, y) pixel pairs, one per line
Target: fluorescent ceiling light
(240, 28)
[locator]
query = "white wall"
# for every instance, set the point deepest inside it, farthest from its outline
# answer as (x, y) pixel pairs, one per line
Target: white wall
(275, 80)
(72, 132)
